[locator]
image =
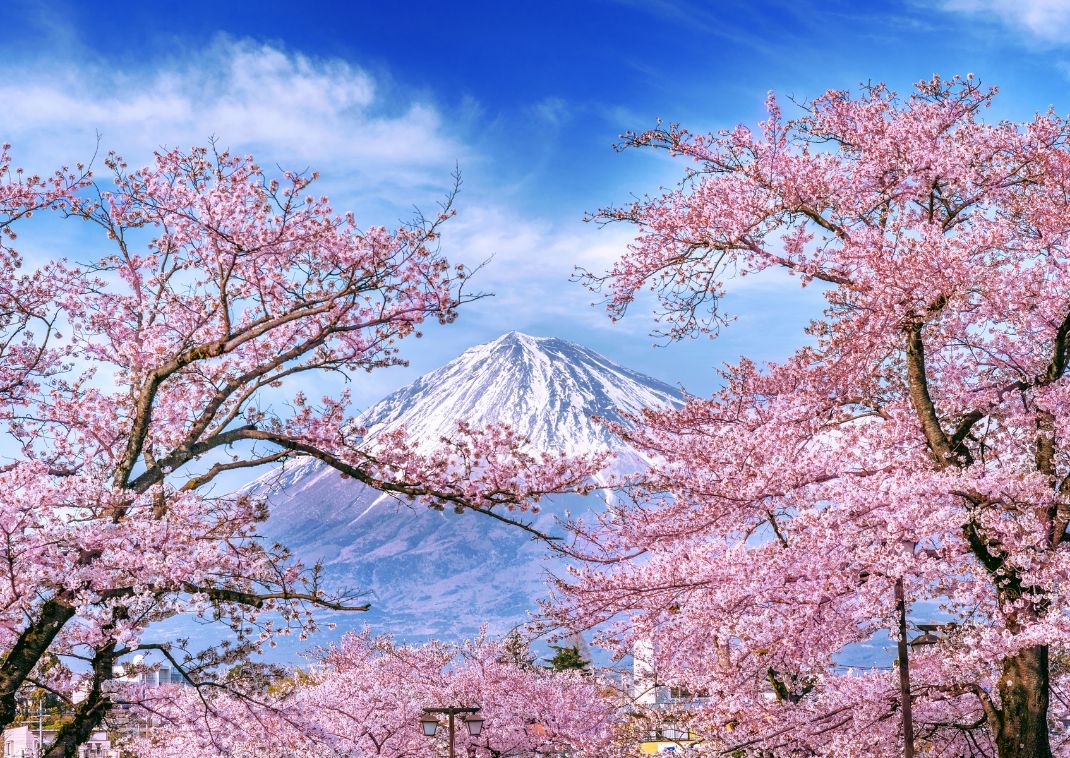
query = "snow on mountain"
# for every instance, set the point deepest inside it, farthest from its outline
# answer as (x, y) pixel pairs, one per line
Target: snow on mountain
(548, 388)
(430, 573)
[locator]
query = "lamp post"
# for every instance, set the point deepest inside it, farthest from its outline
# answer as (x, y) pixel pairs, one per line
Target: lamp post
(472, 722)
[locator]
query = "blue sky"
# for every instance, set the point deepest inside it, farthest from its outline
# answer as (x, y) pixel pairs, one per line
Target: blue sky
(385, 98)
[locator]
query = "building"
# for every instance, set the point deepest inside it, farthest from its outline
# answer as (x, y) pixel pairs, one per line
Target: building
(647, 691)
(25, 742)
(137, 673)
(140, 672)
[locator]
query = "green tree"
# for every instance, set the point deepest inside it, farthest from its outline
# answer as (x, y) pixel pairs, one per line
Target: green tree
(568, 658)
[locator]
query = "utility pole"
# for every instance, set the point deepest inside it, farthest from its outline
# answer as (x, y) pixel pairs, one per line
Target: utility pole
(904, 671)
(40, 721)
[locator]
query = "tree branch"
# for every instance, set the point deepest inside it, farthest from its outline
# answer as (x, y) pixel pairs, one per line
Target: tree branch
(258, 599)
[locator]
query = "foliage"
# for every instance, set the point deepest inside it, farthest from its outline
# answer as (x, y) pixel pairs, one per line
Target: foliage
(365, 697)
(131, 380)
(922, 434)
(567, 658)
(517, 651)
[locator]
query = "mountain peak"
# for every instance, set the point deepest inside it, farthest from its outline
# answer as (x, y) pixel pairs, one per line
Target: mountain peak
(515, 336)
(443, 574)
(525, 341)
(546, 388)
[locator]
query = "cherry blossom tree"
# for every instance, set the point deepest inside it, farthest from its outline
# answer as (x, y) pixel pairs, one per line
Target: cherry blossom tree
(365, 697)
(133, 379)
(920, 437)
(26, 322)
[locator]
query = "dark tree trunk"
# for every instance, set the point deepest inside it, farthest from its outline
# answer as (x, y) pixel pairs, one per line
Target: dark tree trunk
(1023, 691)
(28, 649)
(91, 711)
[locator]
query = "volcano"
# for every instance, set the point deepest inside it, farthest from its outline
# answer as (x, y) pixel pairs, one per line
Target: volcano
(442, 574)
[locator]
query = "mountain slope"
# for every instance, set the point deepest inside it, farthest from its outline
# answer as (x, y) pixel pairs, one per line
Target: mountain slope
(440, 573)
(545, 387)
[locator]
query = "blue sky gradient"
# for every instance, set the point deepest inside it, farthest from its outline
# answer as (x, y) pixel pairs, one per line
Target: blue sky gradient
(528, 99)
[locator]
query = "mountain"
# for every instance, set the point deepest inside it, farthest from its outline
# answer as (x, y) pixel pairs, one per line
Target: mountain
(443, 574)
(547, 388)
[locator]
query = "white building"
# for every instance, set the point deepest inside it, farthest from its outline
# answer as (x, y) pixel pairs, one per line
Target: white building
(25, 742)
(644, 680)
(139, 672)
(650, 693)
(135, 673)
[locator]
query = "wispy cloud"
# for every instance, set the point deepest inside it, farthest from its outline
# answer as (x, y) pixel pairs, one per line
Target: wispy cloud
(1044, 20)
(379, 147)
(282, 105)
(531, 259)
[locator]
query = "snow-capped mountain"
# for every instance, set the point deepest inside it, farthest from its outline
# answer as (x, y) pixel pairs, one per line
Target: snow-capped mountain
(547, 388)
(441, 573)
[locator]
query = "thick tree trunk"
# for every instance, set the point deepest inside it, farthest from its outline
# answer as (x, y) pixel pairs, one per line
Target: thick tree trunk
(1023, 691)
(91, 711)
(28, 649)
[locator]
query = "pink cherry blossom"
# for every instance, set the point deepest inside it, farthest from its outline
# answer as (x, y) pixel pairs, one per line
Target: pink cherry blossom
(365, 696)
(130, 379)
(921, 434)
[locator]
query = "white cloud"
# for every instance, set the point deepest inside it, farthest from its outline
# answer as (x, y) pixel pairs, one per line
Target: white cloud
(380, 149)
(283, 106)
(1046, 20)
(552, 110)
(530, 261)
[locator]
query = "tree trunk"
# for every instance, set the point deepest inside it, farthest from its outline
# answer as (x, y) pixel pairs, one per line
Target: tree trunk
(91, 711)
(1023, 691)
(28, 649)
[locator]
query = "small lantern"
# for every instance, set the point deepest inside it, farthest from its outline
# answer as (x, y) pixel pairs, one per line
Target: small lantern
(474, 724)
(930, 635)
(429, 725)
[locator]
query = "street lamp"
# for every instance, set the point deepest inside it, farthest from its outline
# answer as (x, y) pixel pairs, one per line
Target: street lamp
(472, 722)
(429, 724)
(930, 634)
